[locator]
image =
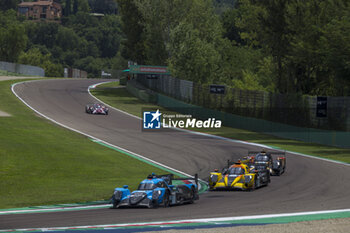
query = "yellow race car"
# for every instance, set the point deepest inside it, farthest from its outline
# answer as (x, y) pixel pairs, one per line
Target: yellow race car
(238, 176)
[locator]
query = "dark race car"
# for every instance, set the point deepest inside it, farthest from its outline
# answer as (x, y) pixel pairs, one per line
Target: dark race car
(96, 109)
(265, 160)
(157, 190)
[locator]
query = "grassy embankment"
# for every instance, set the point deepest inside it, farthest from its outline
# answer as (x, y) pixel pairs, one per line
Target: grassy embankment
(42, 163)
(7, 73)
(122, 99)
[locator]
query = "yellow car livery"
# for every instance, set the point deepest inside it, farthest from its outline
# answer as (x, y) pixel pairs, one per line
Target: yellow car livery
(238, 176)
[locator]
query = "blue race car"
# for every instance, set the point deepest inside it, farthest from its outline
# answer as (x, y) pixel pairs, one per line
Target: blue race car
(155, 191)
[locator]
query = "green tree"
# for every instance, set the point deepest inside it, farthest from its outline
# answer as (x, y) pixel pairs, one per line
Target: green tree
(67, 8)
(103, 6)
(92, 65)
(159, 18)
(319, 46)
(75, 6)
(249, 81)
(13, 38)
(83, 6)
(196, 45)
(36, 58)
(8, 4)
(229, 21)
(265, 25)
(335, 49)
(133, 29)
(192, 58)
(308, 41)
(67, 39)
(42, 33)
(110, 29)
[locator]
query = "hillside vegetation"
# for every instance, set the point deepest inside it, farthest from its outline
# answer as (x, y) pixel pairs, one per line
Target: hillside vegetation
(273, 45)
(80, 40)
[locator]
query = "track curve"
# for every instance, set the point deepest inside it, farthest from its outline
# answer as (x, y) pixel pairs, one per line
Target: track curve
(308, 184)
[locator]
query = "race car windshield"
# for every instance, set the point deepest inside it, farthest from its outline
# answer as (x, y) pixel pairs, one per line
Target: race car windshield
(147, 186)
(264, 158)
(235, 171)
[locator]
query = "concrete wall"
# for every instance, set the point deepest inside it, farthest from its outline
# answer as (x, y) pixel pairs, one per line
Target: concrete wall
(22, 69)
(74, 73)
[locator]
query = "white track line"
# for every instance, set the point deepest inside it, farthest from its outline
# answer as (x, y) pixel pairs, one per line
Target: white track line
(53, 209)
(92, 137)
(184, 221)
(138, 155)
(220, 137)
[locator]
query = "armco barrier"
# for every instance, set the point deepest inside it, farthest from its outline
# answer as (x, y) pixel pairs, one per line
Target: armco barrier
(325, 137)
(22, 69)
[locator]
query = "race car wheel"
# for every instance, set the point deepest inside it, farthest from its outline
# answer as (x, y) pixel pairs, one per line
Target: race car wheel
(279, 172)
(257, 183)
(166, 200)
(193, 195)
(253, 186)
(115, 202)
(154, 204)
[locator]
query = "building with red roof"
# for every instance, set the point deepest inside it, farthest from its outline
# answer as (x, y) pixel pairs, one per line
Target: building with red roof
(40, 10)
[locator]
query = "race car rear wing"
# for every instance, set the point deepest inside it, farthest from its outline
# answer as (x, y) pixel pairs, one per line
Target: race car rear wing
(239, 161)
(283, 154)
(170, 177)
(229, 164)
(195, 178)
(167, 177)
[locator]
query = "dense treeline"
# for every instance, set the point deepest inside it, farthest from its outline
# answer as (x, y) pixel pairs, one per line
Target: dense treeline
(80, 41)
(287, 46)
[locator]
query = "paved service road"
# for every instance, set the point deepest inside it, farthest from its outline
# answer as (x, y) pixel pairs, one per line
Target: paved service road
(308, 184)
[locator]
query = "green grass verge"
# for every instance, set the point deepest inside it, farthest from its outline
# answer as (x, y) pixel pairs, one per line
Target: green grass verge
(42, 163)
(7, 73)
(122, 99)
(110, 84)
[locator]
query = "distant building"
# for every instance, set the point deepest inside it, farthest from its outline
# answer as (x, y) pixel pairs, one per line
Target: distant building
(74, 73)
(97, 15)
(40, 10)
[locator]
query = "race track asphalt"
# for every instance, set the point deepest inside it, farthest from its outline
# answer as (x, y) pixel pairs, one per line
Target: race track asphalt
(308, 184)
